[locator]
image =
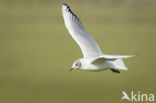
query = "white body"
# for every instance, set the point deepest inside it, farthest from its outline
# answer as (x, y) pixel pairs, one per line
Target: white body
(103, 64)
(95, 67)
(94, 59)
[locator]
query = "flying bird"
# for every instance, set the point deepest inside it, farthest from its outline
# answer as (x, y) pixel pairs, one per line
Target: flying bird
(93, 58)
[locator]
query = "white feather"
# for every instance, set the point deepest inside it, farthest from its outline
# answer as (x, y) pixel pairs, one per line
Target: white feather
(79, 34)
(117, 56)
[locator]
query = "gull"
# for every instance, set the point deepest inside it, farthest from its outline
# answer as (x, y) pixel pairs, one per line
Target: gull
(93, 58)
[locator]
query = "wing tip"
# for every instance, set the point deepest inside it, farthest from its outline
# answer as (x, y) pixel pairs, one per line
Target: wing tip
(67, 8)
(64, 4)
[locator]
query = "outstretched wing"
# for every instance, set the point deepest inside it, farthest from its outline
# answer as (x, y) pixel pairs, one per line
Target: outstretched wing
(80, 35)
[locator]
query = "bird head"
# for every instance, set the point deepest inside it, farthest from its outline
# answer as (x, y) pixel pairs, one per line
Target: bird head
(76, 65)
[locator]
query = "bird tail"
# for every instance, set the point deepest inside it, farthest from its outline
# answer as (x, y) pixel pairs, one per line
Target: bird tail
(117, 61)
(119, 64)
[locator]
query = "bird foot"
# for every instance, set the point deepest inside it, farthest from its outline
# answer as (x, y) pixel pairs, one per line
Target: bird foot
(115, 71)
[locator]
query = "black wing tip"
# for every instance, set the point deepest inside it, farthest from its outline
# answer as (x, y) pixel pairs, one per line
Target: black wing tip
(68, 8)
(65, 4)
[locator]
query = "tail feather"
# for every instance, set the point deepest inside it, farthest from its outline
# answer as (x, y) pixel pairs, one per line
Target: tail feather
(119, 64)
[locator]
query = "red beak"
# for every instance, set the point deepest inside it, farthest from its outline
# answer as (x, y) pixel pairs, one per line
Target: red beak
(70, 69)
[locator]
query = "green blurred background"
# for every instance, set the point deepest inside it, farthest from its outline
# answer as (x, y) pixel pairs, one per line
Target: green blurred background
(36, 50)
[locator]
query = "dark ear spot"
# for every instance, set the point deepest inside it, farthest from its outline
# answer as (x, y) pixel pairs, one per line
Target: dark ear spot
(78, 64)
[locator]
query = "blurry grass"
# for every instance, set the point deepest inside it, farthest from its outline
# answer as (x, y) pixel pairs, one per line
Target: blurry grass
(36, 51)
